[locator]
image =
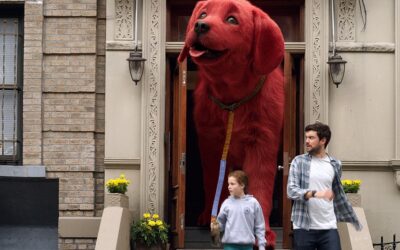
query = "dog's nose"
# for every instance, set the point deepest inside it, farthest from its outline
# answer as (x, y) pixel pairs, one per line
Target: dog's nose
(201, 27)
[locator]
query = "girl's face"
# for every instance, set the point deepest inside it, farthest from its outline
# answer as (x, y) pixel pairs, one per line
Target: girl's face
(235, 189)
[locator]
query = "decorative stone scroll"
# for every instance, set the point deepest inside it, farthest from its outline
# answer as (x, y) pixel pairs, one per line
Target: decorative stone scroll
(316, 55)
(345, 19)
(152, 165)
(124, 19)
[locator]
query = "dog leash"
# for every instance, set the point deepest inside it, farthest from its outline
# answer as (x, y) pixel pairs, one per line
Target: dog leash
(222, 165)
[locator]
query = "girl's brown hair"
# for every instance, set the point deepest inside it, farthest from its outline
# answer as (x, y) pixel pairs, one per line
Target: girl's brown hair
(241, 178)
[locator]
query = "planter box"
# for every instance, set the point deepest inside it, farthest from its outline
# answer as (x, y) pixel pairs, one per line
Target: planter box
(139, 246)
(116, 200)
(354, 199)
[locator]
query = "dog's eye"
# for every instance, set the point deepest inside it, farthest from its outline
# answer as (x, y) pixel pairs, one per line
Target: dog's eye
(202, 15)
(232, 20)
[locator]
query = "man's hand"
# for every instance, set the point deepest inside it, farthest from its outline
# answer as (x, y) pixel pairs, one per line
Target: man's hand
(325, 194)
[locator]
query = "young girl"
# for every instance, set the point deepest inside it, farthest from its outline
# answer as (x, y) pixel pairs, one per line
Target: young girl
(240, 217)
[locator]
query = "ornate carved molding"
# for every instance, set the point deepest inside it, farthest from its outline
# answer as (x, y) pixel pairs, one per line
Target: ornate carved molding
(152, 98)
(346, 26)
(316, 56)
(122, 45)
(111, 162)
(384, 166)
(397, 81)
(375, 166)
(316, 60)
(365, 47)
(397, 94)
(124, 19)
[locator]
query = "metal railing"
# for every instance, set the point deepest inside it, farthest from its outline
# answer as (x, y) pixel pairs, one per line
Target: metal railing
(386, 245)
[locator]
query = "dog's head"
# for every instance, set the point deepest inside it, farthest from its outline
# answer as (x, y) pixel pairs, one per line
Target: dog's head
(233, 33)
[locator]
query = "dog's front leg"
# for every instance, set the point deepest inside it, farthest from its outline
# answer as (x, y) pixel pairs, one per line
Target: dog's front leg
(260, 166)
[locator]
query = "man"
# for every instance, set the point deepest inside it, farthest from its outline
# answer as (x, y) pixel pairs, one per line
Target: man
(319, 200)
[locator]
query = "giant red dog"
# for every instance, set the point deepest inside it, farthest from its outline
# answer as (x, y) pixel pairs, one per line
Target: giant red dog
(238, 49)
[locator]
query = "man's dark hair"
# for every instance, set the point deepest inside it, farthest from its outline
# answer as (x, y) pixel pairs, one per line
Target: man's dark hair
(323, 131)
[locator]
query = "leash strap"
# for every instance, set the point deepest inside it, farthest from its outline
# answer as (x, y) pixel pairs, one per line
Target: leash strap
(222, 167)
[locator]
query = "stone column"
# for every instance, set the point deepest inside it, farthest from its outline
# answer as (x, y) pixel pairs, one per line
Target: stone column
(316, 56)
(153, 90)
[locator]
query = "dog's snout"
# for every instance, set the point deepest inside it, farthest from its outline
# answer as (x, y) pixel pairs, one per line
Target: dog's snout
(201, 27)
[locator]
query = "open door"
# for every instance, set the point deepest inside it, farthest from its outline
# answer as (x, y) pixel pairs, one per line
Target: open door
(292, 131)
(179, 155)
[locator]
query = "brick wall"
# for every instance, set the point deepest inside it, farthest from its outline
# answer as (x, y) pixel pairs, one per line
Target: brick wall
(63, 112)
(76, 243)
(32, 103)
(100, 106)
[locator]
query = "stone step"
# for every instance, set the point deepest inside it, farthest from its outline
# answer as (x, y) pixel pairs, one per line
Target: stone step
(24, 237)
(199, 238)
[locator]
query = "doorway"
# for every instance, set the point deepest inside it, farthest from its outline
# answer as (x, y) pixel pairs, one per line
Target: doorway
(183, 162)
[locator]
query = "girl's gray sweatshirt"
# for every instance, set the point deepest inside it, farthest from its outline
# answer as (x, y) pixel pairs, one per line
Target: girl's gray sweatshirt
(242, 221)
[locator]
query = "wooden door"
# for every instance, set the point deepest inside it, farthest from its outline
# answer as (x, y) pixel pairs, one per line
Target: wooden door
(292, 131)
(179, 155)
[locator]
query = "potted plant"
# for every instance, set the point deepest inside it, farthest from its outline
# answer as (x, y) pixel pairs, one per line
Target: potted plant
(150, 232)
(116, 192)
(351, 188)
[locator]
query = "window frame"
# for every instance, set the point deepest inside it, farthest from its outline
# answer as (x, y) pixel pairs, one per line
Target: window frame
(15, 11)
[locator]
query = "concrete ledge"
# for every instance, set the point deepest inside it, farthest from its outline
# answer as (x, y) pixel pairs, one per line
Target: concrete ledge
(22, 171)
(78, 227)
(351, 239)
(114, 232)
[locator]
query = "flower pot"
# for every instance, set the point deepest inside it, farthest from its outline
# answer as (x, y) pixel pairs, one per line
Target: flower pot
(116, 200)
(354, 199)
(140, 246)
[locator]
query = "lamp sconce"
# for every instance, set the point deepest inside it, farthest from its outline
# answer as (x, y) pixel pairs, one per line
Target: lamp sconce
(136, 65)
(337, 67)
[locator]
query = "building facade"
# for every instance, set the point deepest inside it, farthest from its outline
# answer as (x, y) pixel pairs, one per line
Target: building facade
(84, 121)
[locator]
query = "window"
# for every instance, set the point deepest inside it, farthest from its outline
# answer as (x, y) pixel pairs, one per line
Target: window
(11, 42)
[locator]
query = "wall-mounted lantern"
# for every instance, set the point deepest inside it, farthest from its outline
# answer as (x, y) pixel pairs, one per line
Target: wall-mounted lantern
(136, 65)
(136, 61)
(337, 65)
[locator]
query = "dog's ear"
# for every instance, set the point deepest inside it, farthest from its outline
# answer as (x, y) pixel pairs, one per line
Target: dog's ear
(195, 14)
(268, 43)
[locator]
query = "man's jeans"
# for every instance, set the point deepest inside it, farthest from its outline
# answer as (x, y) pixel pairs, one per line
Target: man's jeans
(316, 239)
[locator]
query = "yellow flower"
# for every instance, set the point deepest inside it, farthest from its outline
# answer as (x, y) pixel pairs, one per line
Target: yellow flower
(155, 216)
(150, 230)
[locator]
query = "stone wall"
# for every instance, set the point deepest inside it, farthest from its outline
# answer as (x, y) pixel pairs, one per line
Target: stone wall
(69, 243)
(64, 102)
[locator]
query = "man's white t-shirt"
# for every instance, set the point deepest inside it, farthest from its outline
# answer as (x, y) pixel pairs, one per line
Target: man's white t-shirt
(321, 211)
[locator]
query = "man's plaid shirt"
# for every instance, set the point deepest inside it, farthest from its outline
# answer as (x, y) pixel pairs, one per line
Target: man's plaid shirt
(298, 185)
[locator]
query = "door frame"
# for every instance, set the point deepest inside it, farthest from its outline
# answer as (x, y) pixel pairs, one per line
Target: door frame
(292, 131)
(175, 144)
(292, 139)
